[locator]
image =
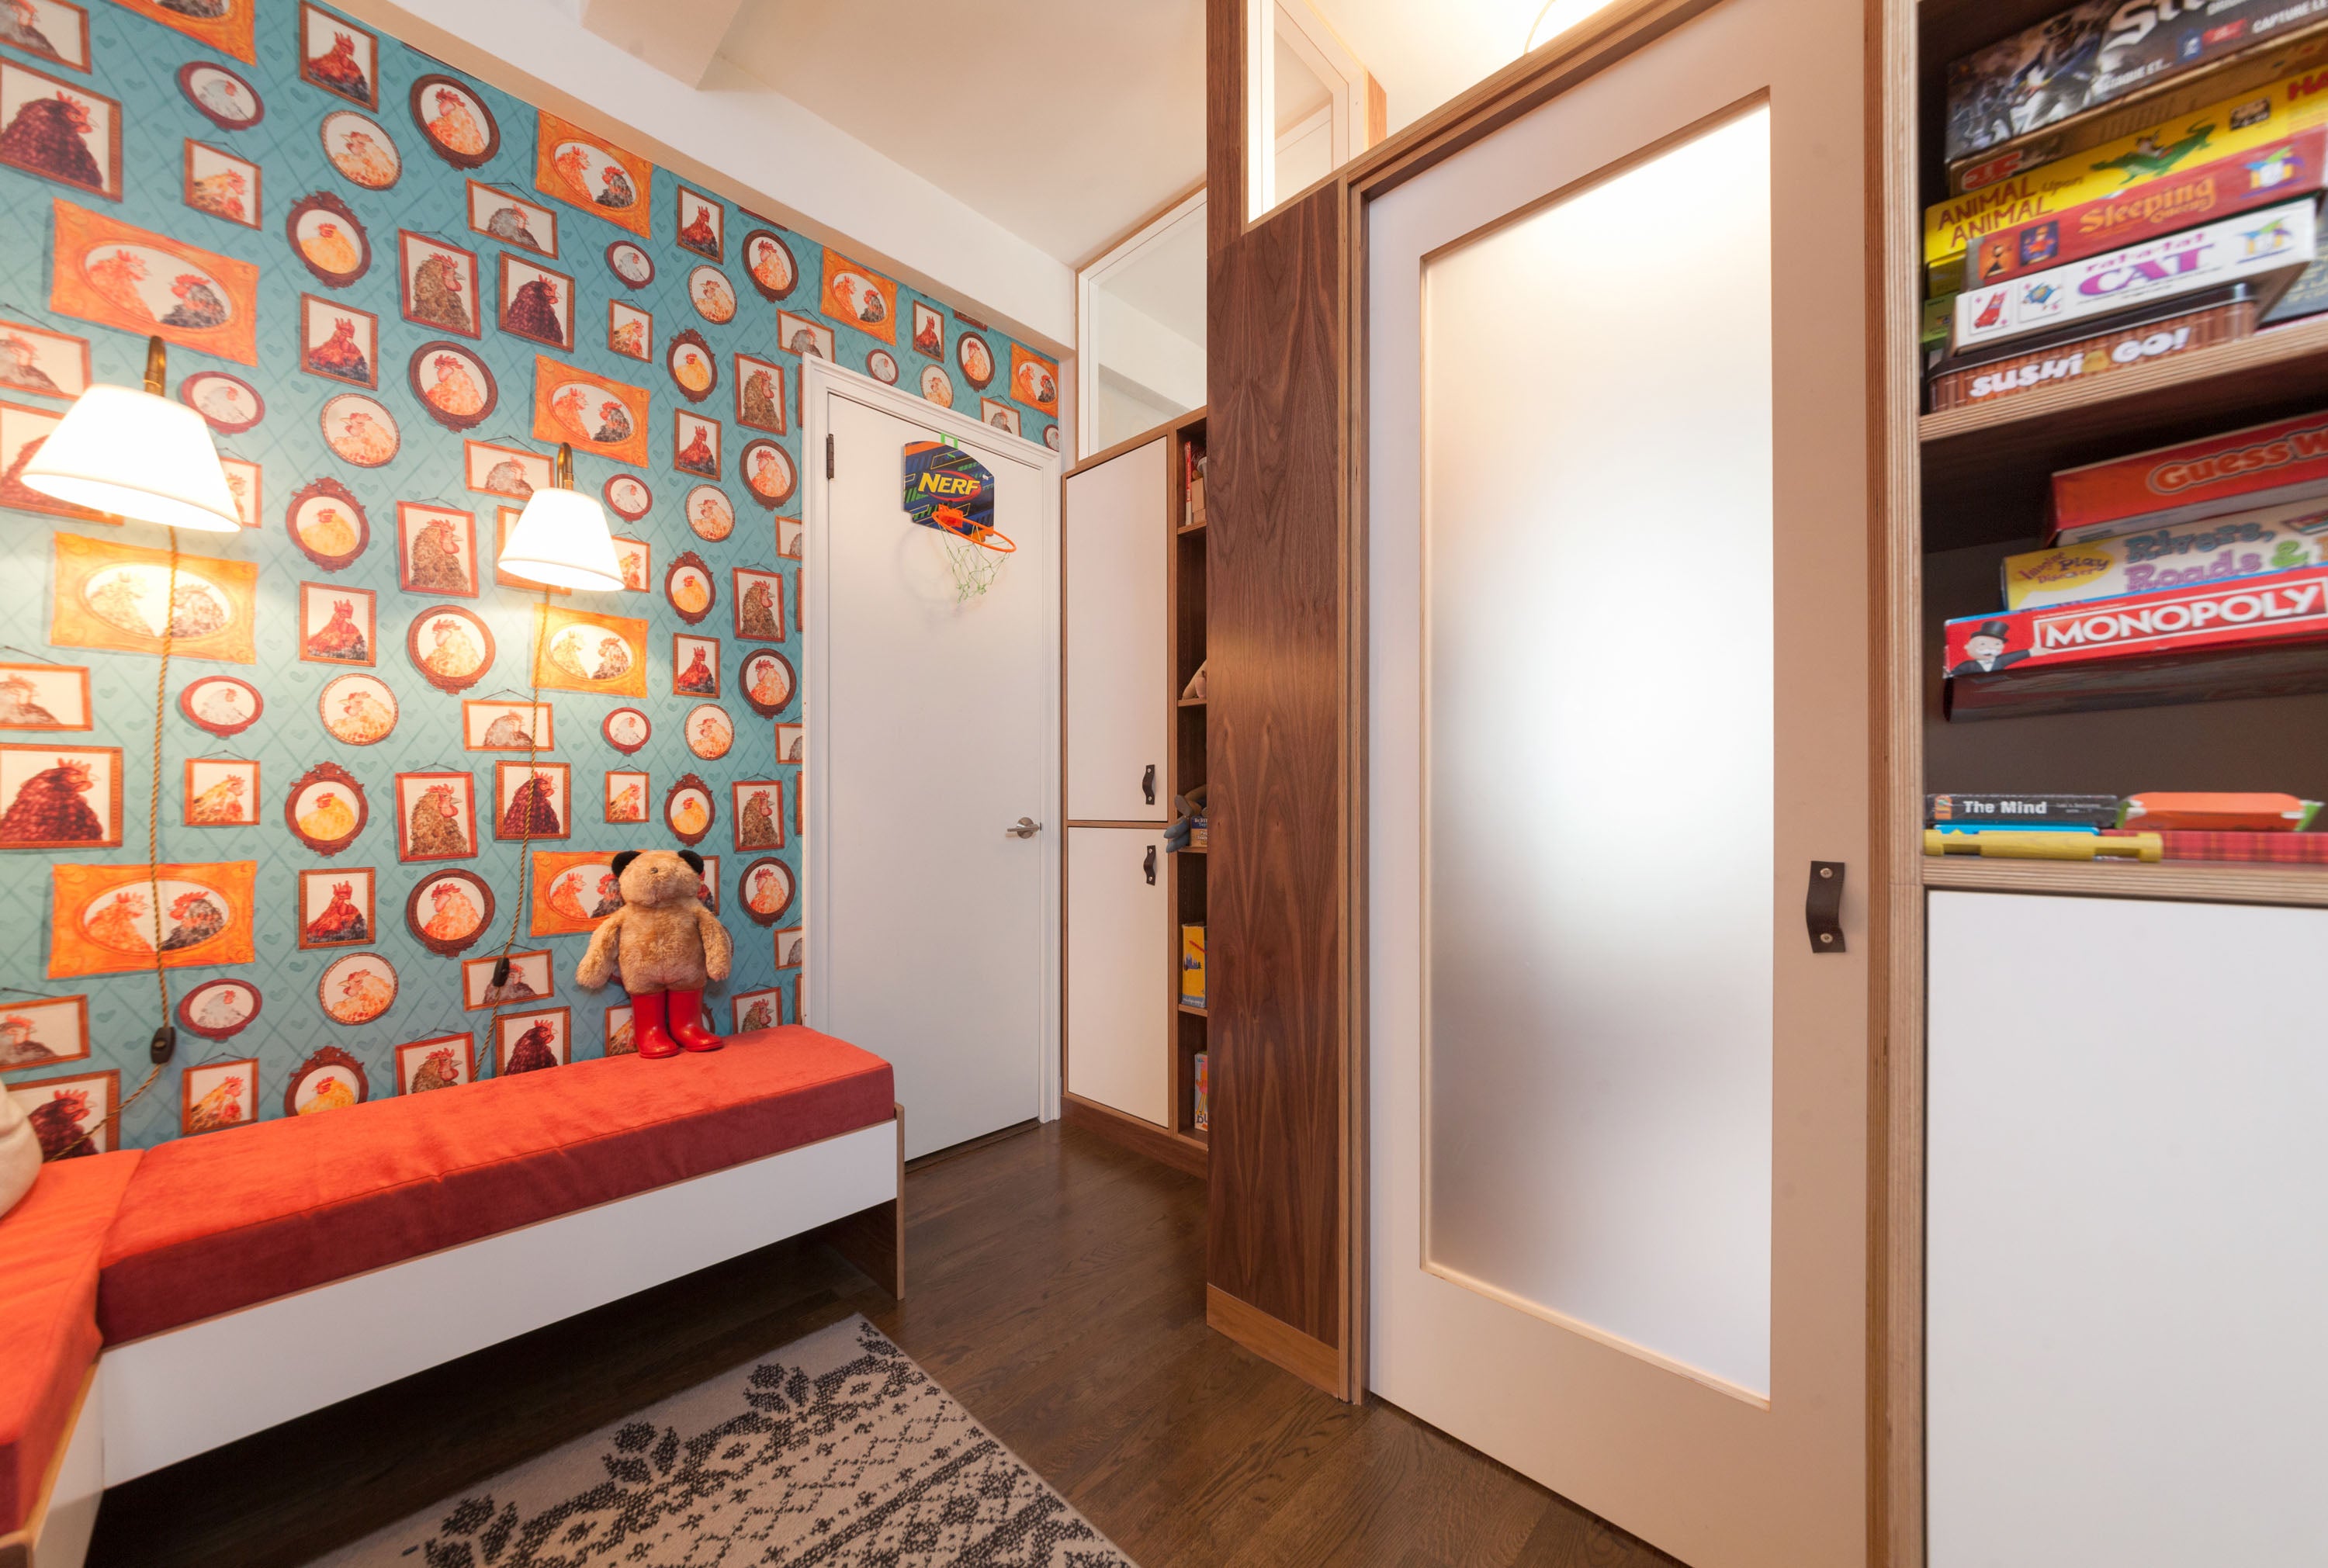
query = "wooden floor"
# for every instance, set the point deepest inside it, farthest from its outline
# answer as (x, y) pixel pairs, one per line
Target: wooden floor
(1054, 1286)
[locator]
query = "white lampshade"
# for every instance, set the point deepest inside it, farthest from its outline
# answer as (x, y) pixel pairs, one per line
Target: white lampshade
(561, 539)
(137, 455)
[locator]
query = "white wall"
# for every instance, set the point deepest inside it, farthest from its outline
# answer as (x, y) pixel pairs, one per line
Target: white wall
(828, 184)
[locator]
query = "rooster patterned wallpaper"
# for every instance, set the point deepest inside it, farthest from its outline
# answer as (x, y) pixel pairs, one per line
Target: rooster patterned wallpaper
(391, 290)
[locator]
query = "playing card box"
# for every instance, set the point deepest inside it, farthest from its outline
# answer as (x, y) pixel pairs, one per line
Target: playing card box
(2240, 471)
(2078, 61)
(2264, 249)
(2120, 348)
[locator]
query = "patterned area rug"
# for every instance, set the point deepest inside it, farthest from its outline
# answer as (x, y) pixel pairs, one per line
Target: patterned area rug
(838, 1450)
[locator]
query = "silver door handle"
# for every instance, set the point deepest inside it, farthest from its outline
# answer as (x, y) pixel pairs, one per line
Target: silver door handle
(1023, 828)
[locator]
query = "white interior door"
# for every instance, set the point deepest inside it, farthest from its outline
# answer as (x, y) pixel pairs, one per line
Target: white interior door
(932, 729)
(1119, 717)
(1618, 522)
(1119, 937)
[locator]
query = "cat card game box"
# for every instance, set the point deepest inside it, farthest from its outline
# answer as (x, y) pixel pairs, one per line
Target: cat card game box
(2241, 471)
(2264, 249)
(2284, 606)
(2103, 52)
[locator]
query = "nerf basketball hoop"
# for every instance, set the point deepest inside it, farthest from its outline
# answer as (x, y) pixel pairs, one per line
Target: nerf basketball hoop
(948, 489)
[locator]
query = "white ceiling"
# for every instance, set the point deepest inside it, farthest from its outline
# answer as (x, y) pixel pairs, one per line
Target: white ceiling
(1065, 121)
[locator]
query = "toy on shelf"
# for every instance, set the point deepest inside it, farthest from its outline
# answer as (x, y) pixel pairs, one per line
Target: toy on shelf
(2156, 812)
(2046, 846)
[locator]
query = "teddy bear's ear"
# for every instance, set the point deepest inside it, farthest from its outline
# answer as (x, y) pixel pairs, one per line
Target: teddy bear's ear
(694, 861)
(623, 861)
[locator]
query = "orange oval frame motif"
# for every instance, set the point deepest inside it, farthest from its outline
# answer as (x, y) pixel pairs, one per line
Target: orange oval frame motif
(329, 772)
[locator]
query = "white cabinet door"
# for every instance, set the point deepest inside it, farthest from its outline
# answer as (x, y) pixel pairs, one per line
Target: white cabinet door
(1119, 952)
(2124, 1269)
(1118, 712)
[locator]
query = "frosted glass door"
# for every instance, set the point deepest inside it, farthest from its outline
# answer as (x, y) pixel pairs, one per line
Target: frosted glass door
(1617, 510)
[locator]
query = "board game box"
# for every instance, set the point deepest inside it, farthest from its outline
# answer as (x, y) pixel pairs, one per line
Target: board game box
(2207, 812)
(2241, 127)
(2052, 811)
(2273, 539)
(2264, 249)
(2283, 607)
(2120, 348)
(2241, 471)
(2100, 52)
(2208, 192)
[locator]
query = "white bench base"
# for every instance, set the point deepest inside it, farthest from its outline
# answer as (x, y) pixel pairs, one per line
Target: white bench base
(156, 1401)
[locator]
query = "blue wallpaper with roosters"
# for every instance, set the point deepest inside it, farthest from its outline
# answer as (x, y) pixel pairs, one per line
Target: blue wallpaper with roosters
(391, 290)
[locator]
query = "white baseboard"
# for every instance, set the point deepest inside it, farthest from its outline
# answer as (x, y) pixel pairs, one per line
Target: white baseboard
(177, 1394)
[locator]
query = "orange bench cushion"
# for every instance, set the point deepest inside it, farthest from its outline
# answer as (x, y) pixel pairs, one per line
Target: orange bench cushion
(233, 1218)
(49, 1249)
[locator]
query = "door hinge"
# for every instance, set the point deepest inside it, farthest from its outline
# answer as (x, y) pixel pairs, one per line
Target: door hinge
(828, 456)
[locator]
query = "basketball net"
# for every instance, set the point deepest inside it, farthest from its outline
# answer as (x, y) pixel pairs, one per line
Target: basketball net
(974, 566)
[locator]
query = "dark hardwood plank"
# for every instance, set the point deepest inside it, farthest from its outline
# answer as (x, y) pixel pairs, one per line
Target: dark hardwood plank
(1058, 1294)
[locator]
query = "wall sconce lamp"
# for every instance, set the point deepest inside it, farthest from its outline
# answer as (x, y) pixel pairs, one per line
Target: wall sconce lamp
(136, 456)
(561, 540)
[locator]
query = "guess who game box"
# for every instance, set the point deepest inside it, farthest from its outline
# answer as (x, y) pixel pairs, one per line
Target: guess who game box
(2261, 466)
(2284, 606)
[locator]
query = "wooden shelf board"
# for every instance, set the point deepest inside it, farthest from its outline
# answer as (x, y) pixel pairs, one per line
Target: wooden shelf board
(2197, 881)
(1190, 527)
(1200, 1137)
(1192, 702)
(1196, 1012)
(1191, 849)
(1985, 469)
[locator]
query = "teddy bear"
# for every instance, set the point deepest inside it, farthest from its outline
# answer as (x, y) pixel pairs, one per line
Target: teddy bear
(665, 945)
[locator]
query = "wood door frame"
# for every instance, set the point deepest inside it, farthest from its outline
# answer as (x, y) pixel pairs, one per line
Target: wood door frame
(818, 377)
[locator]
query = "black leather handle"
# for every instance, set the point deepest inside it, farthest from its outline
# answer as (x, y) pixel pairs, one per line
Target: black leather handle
(1150, 866)
(1148, 784)
(1823, 907)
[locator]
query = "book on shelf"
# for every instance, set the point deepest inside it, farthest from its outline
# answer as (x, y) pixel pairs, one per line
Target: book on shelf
(1192, 965)
(2041, 92)
(1204, 1108)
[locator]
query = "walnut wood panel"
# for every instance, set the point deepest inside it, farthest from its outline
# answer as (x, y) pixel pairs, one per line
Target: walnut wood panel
(1277, 744)
(1313, 1361)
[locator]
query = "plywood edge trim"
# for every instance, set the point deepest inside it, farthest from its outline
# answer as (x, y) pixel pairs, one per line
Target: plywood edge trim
(2193, 882)
(1141, 1137)
(1272, 1339)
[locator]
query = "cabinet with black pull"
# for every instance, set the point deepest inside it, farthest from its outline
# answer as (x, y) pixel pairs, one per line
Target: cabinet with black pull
(1132, 762)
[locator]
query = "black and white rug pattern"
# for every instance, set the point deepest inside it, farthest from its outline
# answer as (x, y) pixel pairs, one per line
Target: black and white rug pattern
(837, 1450)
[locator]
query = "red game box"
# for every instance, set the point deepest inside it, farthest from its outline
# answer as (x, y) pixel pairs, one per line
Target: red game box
(2275, 606)
(2257, 467)
(2265, 176)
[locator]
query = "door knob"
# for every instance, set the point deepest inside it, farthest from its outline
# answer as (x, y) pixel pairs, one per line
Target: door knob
(1023, 828)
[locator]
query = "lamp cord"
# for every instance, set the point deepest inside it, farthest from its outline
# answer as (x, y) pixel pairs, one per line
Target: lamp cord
(525, 829)
(153, 850)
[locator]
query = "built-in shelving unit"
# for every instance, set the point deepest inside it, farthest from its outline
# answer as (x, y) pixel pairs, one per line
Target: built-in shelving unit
(1188, 578)
(2253, 720)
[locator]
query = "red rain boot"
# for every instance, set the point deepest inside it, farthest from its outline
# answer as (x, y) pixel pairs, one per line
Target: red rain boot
(646, 1025)
(687, 1021)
